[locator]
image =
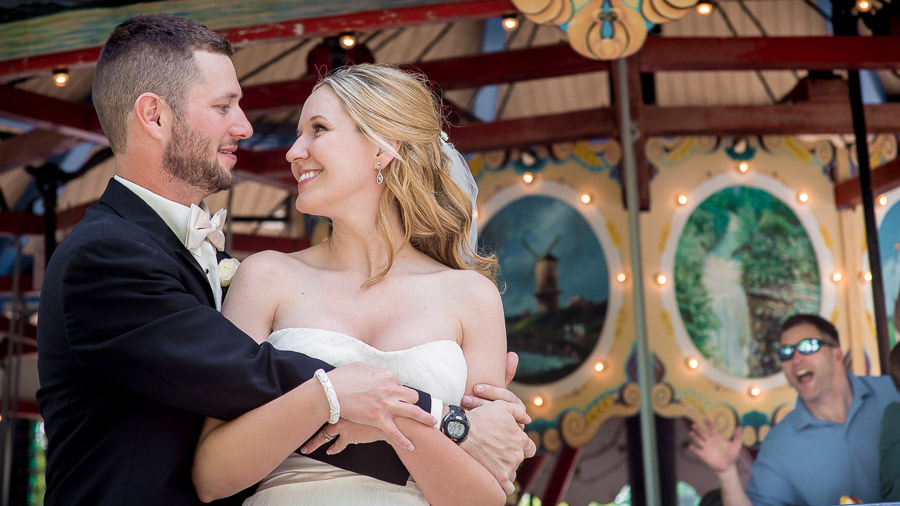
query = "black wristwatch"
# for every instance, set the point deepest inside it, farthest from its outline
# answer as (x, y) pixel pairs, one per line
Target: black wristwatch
(455, 425)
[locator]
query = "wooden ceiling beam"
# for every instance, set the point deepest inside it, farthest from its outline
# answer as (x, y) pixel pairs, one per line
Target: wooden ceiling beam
(661, 54)
(886, 177)
(51, 114)
(289, 29)
(806, 118)
(449, 74)
(784, 119)
(34, 146)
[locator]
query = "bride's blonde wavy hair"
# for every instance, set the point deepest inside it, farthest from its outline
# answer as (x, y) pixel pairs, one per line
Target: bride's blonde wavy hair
(389, 104)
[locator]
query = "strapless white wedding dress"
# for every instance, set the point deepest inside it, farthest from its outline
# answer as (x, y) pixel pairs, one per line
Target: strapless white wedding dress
(438, 368)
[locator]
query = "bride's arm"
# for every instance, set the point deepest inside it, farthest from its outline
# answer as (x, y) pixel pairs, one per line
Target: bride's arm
(444, 471)
(234, 455)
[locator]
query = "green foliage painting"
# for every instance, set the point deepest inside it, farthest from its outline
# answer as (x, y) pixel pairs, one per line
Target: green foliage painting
(744, 263)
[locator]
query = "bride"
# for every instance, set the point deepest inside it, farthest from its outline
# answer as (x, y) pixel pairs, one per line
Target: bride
(398, 285)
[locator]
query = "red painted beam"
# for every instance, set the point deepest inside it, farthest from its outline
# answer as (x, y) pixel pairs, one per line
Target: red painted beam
(449, 74)
(253, 243)
(45, 63)
(26, 284)
(657, 121)
(562, 475)
(27, 409)
(51, 114)
(658, 53)
(886, 177)
(508, 67)
(18, 223)
(30, 334)
(528, 473)
(767, 119)
(269, 161)
(770, 53)
(523, 132)
(297, 28)
(370, 21)
(70, 217)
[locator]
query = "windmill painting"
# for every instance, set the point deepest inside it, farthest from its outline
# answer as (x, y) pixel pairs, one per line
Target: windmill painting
(556, 284)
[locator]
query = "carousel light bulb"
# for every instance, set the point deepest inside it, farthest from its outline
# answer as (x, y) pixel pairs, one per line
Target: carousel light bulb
(882, 200)
(682, 199)
(61, 77)
(803, 197)
(704, 8)
(348, 40)
(866, 276)
(586, 198)
(743, 167)
(837, 277)
(693, 363)
(598, 367)
(755, 391)
(661, 279)
(538, 401)
(864, 5)
(510, 22)
(621, 277)
(528, 177)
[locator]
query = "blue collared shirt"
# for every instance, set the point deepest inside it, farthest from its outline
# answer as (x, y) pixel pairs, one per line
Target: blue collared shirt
(807, 461)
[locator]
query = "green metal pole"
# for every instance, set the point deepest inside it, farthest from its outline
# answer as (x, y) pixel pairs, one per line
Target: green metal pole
(645, 371)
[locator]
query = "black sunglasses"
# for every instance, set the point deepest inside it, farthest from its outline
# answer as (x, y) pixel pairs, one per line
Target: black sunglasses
(807, 347)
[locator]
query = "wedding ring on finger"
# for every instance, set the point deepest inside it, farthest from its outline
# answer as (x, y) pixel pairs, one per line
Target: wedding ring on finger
(328, 437)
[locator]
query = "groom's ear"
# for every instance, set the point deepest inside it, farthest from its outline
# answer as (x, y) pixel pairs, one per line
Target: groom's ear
(152, 114)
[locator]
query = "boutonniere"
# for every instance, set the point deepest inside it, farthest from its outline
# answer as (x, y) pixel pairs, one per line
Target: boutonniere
(227, 268)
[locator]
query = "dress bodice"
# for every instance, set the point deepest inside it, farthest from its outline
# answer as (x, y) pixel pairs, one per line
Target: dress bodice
(436, 367)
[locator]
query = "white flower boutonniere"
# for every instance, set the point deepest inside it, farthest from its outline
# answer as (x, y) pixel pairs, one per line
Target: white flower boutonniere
(227, 268)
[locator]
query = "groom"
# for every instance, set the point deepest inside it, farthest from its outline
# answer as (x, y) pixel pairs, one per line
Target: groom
(133, 352)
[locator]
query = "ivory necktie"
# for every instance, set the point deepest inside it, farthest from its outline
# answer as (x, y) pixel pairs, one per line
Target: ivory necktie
(201, 227)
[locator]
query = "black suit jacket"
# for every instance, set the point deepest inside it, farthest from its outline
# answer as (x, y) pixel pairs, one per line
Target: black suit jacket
(133, 356)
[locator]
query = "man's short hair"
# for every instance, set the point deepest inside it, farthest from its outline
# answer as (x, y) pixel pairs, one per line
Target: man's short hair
(824, 326)
(148, 53)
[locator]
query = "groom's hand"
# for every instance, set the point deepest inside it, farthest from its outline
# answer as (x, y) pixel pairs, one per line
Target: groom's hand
(486, 394)
(496, 441)
(374, 396)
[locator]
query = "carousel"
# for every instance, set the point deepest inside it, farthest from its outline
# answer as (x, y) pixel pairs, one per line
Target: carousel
(662, 181)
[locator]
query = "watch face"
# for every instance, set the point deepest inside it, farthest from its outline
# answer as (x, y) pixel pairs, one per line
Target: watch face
(456, 429)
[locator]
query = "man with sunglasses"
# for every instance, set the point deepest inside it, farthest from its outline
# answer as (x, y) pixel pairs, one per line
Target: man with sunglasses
(827, 447)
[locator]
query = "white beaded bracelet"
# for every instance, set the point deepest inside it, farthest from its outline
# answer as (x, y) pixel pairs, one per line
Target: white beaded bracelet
(334, 408)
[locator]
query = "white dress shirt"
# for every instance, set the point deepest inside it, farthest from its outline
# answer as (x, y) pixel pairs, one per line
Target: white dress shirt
(177, 217)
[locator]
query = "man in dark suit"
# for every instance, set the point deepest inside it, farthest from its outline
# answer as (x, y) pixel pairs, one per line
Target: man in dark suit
(133, 352)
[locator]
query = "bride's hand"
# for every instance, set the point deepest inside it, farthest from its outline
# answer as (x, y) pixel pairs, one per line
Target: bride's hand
(374, 396)
(344, 433)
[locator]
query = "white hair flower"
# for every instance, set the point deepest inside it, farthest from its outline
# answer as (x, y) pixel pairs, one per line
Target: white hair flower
(227, 268)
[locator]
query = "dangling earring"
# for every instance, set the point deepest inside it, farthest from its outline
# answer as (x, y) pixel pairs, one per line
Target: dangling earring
(379, 178)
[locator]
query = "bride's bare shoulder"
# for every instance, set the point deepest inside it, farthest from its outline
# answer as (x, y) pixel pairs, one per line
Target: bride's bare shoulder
(268, 266)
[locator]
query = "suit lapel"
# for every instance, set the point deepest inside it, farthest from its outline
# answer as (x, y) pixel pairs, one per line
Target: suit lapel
(129, 206)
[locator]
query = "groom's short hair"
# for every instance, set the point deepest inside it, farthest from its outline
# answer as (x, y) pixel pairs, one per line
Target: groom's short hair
(148, 53)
